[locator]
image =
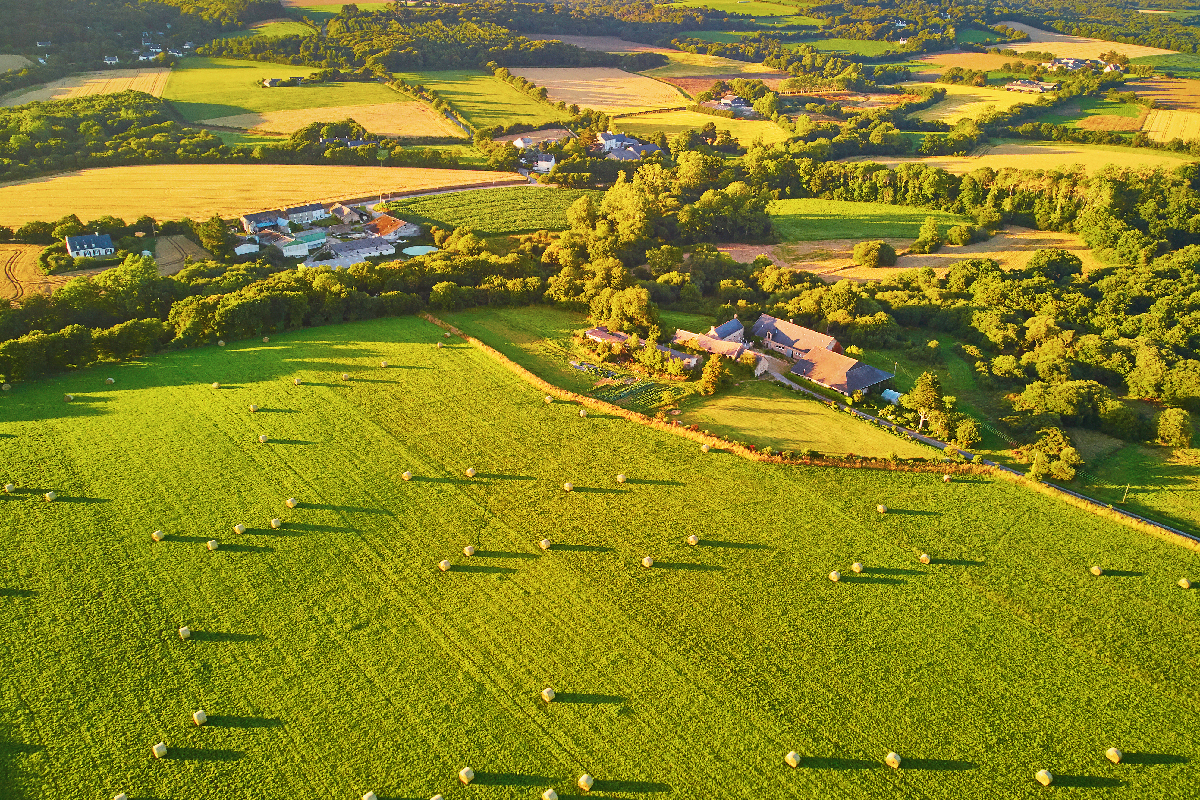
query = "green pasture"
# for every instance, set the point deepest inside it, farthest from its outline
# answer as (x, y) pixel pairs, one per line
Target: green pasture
(975, 36)
(235, 138)
(813, 219)
(333, 657)
(1084, 107)
(282, 27)
(1162, 483)
(672, 123)
(324, 13)
(495, 211)
(1183, 65)
(485, 100)
(728, 37)
(859, 47)
(754, 8)
(207, 88)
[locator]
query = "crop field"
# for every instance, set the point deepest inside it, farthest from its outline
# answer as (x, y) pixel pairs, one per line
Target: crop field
(226, 189)
(1163, 125)
(1181, 94)
(755, 8)
(1061, 157)
(675, 122)
(151, 80)
(862, 47)
(172, 252)
(321, 11)
(399, 119)
(10, 61)
(314, 643)
(814, 219)
(514, 209)
(602, 44)
(686, 65)
(1064, 46)
(938, 62)
(21, 276)
(1098, 114)
(485, 100)
(969, 102)
(275, 27)
(603, 88)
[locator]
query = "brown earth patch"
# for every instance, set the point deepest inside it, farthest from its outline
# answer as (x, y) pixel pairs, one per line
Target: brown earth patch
(171, 253)
(20, 275)
(1109, 122)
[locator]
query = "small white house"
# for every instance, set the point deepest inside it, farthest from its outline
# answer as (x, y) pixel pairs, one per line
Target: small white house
(544, 164)
(246, 246)
(111, 60)
(91, 246)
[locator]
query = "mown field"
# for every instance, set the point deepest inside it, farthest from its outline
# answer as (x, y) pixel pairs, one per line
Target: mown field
(1163, 125)
(484, 99)
(322, 12)
(1057, 156)
(862, 47)
(276, 27)
(1182, 65)
(495, 211)
(969, 102)
(226, 189)
(151, 80)
(1098, 114)
(685, 65)
(755, 8)
(314, 643)
(811, 219)
(603, 88)
(1065, 46)
(671, 123)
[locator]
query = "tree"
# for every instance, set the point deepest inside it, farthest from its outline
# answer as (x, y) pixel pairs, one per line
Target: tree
(1040, 468)
(714, 372)
(628, 310)
(215, 237)
(967, 433)
(1175, 427)
(874, 254)
(930, 237)
(1054, 264)
(925, 397)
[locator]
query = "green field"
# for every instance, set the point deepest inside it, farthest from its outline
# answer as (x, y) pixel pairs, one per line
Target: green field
(1162, 484)
(672, 123)
(207, 88)
(976, 36)
(861, 47)
(333, 658)
(814, 219)
(755, 8)
(1084, 107)
(495, 211)
(485, 100)
(282, 27)
(1183, 65)
(323, 13)
(765, 413)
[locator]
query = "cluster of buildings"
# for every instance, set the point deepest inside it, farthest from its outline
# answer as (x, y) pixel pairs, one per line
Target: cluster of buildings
(356, 235)
(619, 147)
(1072, 64)
(1032, 87)
(150, 49)
(734, 103)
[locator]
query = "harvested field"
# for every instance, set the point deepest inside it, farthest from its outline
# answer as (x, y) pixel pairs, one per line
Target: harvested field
(1064, 46)
(675, 122)
(936, 62)
(604, 88)
(1180, 94)
(690, 65)
(1163, 125)
(697, 85)
(1111, 122)
(407, 118)
(603, 44)
(1060, 157)
(279, 26)
(540, 137)
(968, 102)
(172, 252)
(225, 189)
(151, 80)
(8, 61)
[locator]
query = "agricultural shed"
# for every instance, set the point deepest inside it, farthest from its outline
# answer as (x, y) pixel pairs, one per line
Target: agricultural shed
(791, 339)
(603, 334)
(90, 246)
(838, 372)
(708, 344)
(362, 248)
(286, 244)
(391, 228)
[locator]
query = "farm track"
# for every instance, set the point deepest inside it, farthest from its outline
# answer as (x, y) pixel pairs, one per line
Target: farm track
(11, 276)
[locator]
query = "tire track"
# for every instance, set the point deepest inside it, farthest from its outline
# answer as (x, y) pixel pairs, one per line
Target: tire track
(11, 276)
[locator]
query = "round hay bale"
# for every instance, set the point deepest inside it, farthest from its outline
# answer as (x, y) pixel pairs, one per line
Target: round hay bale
(159, 750)
(109, 381)
(792, 759)
(9, 488)
(446, 335)
(585, 782)
(6, 386)
(1044, 777)
(892, 760)
(436, 797)
(220, 342)
(51, 496)
(444, 566)
(345, 376)
(693, 540)
(549, 794)
(439, 345)
(266, 339)
(544, 544)
(383, 364)
(158, 536)
(835, 576)
(276, 524)
(199, 717)
(946, 479)
(1097, 571)
(185, 632)
(298, 382)
(262, 439)
(1114, 755)
(856, 568)
(621, 478)
(549, 400)
(121, 796)
(469, 550)
(212, 544)
(548, 694)
(291, 502)
(470, 472)
(882, 509)
(647, 562)
(239, 528)
(704, 448)
(924, 558)
(253, 408)
(583, 412)
(216, 385)
(407, 475)
(1184, 583)
(68, 397)
(466, 775)
(568, 486)
(370, 796)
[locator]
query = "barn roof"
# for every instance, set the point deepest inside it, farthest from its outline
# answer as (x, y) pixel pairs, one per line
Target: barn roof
(838, 372)
(792, 335)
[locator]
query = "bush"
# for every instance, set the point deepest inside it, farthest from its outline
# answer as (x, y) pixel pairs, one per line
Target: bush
(963, 234)
(874, 254)
(930, 238)
(1175, 428)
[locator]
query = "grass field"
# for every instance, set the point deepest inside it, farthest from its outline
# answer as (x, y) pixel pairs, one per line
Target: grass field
(494, 211)
(1182, 65)
(151, 80)
(814, 219)
(675, 122)
(755, 8)
(276, 27)
(603, 44)
(1024, 155)
(685, 65)
(404, 118)
(323, 12)
(226, 189)
(1162, 484)
(1163, 125)
(1064, 46)
(862, 47)
(603, 88)
(969, 102)
(1098, 114)
(484, 99)
(314, 643)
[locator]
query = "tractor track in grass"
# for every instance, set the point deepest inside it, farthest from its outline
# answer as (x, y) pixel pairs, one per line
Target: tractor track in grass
(11, 276)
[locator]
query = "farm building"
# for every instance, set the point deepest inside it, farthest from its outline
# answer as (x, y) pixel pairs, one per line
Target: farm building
(111, 60)
(90, 246)
(1032, 87)
(633, 152)
(391, 228)
(246, 246)
(544, 164)
(700, 341)
(731, 331)
(306, 215)
(790, 339)
(348, 215)
(838, 372)
(313, 240)
(610, 141)
(253, 223)
(370, 247)
(534, 138)
(602, 334)
(286, 244)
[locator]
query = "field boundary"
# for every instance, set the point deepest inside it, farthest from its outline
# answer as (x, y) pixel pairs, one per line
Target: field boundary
(1075, 499)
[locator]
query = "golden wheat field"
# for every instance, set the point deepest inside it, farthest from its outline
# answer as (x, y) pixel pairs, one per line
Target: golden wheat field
(1181, 94)
(1163, 125)
(604, 88)
(1018, 155)
(969, 102)
(1064, 46)
(172, 191)
(9, 61)
(409, 118)
(150, 80)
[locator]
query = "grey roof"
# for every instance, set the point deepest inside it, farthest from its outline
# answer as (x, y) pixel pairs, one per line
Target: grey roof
(305, 209)
(90, 242)
(728, 329)
(790, 334)
(838, 372)
(359, 245)
(269, 217)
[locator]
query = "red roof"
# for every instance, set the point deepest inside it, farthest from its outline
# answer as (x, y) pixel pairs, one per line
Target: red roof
(384, 225)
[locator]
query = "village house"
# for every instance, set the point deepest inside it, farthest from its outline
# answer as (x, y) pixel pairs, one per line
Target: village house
(348, 215)
(246, 246)
(307, 214)
(731, 331)
(111, 60)
(360, 249)
(633, 152)
(708, 344)
(390, 228)
(602, 334)
(610, 141)
(544, 163)
(838, 372)
(1031, 86)
(791, 339)
(253, 223)
(90, 246)
(284, 243)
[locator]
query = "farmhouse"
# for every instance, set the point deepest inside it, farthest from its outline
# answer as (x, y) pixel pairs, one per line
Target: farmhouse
(610, 141)
(544, 164)
(602, 334)
(390, 228)
(348, 215)
(632, 152)
(733, 101)
(253, 223)
(111, 60)
(731, 331)
(548, 136)
(1031, 87)
(306, 215)
(790, 339)
(91, 246)
(370, 247)
(286, 244)
(838, 372)
(708, 344)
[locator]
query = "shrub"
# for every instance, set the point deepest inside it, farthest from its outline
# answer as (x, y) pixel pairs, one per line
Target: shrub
(1175, 428)
(963, 234)
(930, 238)
(874, 254)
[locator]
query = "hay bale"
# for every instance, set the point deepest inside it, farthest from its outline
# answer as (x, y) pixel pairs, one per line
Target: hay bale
(276, 524)
(6, 386)
(621, 478)
(121, 796)
(549, 400)
(266, 339)
(647, 562)
(1184, 583)
(882, 509)
(466, 775)
(693, 540)
(444, 566)
(548, 694)
(469, 550)
(291, 502)
(856, 568)
(370, 796)
(212, 544)
(583, 412)
(200, 717)
(568, 486)
(383, 364)
(109, 381)
(158, 536)
(1114, 755)
(704, 448)
(68, 397)
(945, 479)
(239, 528)
(262, 439)
(216, 385)
(544, 544)
(345, 376)
(835, 576)
(185, 632)
(792, 759)
(253, 408)
(9, 488)
(298, 382)
(159, 750)
(1097, 571)
(585, 782)
(470, 472)
(220, 342)
(892, 760)
(406, 475)
(51, 496)
(439, 345)
(924, 558)
(1044, 777)
(549, 794)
